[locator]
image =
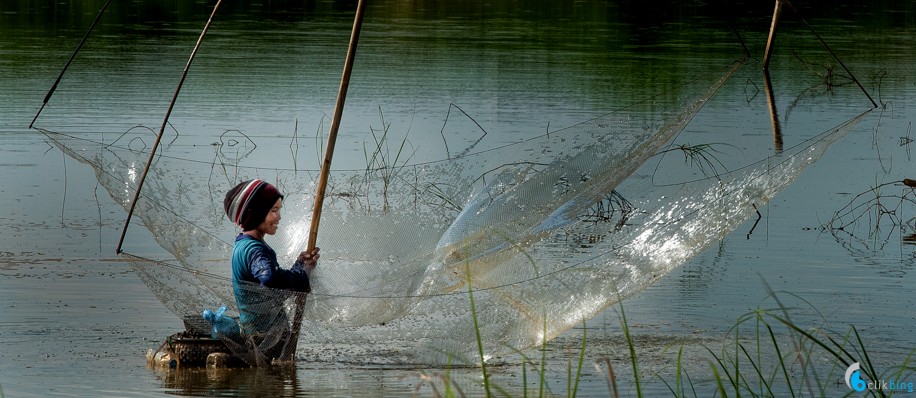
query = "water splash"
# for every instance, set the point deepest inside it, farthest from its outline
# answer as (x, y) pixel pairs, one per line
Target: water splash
(551, 230)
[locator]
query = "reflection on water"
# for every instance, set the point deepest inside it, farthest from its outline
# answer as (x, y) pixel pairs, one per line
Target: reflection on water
(72, 312)
(279, 382)
(910, 239)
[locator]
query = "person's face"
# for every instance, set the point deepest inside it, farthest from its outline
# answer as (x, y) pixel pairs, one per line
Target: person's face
(270, 223)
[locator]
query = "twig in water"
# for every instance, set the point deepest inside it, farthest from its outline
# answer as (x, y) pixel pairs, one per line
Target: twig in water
(747, 95)
(755, 221)
(468, 149)
(139, 126)
(906, 141)
(872, 205)
(98, 205)
(294, 146)
(63, 202)
(175, 138)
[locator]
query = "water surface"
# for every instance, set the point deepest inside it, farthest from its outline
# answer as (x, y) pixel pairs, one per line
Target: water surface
(76, 321)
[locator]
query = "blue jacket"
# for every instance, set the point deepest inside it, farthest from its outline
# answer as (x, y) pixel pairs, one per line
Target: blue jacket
(253, 261)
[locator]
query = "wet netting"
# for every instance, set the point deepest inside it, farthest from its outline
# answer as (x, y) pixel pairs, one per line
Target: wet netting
(539, 233)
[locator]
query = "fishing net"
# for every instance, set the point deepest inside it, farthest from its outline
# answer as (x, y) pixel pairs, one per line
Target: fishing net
(535, 234)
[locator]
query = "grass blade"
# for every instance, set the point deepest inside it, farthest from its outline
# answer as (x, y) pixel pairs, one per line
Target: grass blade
(626, 332)
(581, 360)
(483, 362)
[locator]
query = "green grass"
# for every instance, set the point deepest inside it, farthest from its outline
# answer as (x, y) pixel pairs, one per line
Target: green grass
(764, 354)
(632, 347)
(483, 361)
(782, 358)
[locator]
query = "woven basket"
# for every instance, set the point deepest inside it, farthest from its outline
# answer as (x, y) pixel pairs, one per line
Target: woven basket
(191, 350)
(197, 325)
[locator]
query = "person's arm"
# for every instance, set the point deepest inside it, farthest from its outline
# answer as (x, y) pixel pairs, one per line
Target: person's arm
(269, 273)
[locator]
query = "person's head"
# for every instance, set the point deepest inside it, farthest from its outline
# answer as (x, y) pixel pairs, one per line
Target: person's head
(253, 203)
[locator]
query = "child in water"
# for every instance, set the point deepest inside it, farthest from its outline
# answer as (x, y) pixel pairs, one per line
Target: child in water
(254, 206)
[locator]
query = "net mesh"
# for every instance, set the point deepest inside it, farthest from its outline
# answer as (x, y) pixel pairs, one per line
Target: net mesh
(542, 232)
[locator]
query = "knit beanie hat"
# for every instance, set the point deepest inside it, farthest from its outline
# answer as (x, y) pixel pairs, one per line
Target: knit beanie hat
(248, 203)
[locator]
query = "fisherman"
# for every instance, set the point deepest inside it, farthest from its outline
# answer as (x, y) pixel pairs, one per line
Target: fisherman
(254, 206)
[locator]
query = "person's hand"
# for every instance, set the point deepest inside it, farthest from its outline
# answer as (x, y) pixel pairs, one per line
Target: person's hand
(309, 259)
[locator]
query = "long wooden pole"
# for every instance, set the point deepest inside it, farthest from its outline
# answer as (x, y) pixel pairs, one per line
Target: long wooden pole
(837, 58)
(165, 121)
(766, 57)
(766, 54)
(325, 170)
(70, 61)
(774, 115)
(335, 125)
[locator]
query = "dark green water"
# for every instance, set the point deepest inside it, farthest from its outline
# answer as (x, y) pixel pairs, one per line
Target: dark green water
(76, 321)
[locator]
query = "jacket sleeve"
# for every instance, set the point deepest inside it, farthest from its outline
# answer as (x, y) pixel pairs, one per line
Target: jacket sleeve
(269, 273)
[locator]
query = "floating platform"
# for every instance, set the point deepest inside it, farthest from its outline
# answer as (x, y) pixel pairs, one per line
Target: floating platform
(193, 348)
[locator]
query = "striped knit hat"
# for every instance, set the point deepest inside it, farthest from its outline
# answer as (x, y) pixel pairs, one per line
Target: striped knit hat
(248, 203)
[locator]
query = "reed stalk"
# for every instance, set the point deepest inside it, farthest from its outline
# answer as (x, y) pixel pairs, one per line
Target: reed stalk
(483, 362)
(633, 361)
(739, 370)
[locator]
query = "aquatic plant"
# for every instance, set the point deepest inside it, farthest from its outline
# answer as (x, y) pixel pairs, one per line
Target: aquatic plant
(382, 164)
(765, 353)
(702, 156)
(799, 370)
(633, 361)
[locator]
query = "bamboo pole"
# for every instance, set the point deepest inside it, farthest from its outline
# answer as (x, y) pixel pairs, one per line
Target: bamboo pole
(774, 116)
(70, 61)
(335, 125)
(766, 57)
(766, 54)
(165, 121)
(830, 50)
(290, 347)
